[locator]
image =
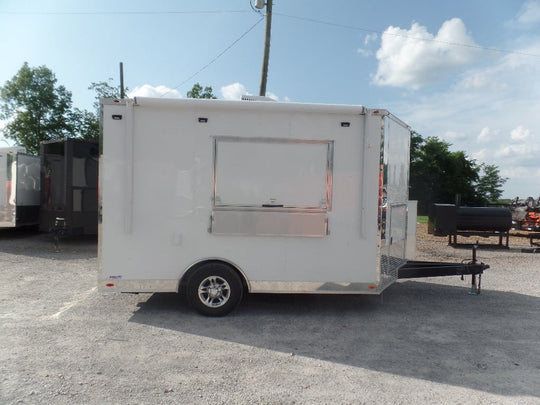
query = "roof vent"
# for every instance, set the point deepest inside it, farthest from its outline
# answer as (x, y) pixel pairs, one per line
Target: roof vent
(249, 97)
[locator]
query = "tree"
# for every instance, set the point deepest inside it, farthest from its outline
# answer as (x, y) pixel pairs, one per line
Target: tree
(87, 123)
(198, 92)
(489, 186)
(438, 175)
(35, 108)
(105, 90)
(460, 176)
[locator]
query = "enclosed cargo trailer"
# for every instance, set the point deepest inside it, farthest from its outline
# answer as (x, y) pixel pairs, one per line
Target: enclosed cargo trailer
(19, 188)
(211, 198)
(69, 173)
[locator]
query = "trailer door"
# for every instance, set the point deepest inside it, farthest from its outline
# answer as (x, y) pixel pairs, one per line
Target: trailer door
(395, 193)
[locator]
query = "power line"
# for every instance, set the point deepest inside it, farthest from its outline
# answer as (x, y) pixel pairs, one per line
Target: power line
(122, 12)
(216, 57)
(311, 20)
(381, 33)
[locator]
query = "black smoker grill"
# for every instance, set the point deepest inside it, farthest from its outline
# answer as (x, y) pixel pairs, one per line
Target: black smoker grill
(450, 220)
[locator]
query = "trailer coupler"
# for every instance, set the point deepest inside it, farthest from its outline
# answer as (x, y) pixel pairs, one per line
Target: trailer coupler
(421, 269)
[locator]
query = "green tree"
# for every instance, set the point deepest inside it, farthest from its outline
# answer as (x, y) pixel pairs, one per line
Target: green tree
(461, 179)
(87, 123)
(35, 107)
(105, 90)
(199, 92)
(490, 183)
(438, 175)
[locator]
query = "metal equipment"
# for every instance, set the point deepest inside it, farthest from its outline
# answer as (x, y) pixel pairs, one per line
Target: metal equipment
(526, 214)
(69, 173)
(451, 220)
(19, 188)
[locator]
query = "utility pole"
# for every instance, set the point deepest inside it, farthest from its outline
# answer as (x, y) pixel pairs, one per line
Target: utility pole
(266, 55)
(122, 92)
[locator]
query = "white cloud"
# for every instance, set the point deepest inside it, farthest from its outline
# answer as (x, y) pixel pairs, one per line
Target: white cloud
(522, 172)
(272, 96)
(364, 52)
(499, 115)
(367, 40)
(520, 134)
(370, 38)
(522, 150)
(454, 136)
(523, 154)
(414, 58)
(147, 90)
(233, 91)
(480, 156)
(484, 135)
(481, 80)
(529, 15)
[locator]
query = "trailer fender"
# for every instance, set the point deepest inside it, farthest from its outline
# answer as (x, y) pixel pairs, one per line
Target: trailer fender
(188, 273)
(213, 287)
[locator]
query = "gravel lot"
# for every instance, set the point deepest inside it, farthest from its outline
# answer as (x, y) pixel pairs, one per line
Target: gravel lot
(423, 341)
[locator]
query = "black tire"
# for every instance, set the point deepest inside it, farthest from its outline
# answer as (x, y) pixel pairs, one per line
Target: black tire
(214, 289)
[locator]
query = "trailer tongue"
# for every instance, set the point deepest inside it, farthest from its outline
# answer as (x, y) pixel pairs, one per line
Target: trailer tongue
(424, 269)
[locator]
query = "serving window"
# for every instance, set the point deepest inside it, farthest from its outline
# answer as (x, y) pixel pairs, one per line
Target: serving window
(254, 172)
(262, 177)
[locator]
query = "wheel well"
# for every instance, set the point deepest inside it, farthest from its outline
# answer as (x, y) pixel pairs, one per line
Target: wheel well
(187, 275)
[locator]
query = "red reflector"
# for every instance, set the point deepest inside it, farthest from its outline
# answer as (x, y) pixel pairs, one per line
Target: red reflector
(372, 287)
(109, 285)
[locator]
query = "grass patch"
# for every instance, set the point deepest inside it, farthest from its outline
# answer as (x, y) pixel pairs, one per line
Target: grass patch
(422, 219)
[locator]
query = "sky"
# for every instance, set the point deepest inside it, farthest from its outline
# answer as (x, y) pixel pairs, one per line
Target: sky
(466, 71)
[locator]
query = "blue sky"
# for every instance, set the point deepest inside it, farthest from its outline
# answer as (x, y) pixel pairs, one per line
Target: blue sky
(466, 71)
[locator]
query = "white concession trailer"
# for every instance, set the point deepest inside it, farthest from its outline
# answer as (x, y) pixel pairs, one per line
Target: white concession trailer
(19, 187)
(213, 198)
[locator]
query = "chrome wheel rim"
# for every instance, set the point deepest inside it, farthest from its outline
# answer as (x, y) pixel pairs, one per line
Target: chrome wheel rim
(214, 291)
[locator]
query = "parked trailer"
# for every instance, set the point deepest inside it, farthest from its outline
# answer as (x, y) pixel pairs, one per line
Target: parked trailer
(19, 188)
(211, 198)
(69, 200)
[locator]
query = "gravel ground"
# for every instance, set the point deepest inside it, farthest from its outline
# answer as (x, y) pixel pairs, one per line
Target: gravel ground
(422, 341)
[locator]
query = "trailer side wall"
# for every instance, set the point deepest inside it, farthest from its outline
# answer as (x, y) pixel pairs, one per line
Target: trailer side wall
(159, 192)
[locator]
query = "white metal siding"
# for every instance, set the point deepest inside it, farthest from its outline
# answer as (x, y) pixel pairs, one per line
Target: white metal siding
(172, 180)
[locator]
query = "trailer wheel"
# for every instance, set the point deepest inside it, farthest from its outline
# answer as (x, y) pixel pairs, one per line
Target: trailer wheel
(215, 289)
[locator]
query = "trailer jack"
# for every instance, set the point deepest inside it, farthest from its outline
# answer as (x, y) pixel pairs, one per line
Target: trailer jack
(58, 231)
(475, 286)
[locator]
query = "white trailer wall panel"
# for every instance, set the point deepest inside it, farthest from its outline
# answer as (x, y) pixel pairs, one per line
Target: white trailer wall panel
(163, 185)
